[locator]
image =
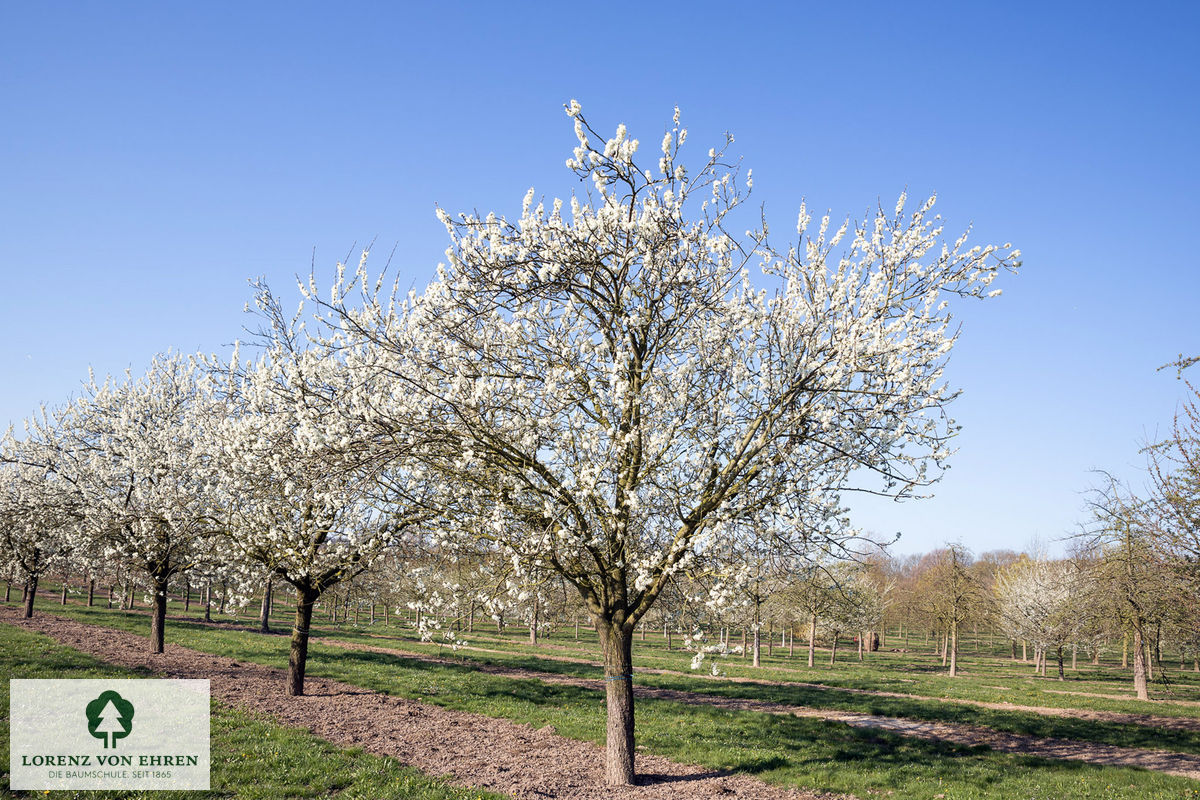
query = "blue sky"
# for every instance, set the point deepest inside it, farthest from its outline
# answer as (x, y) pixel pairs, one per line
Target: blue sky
(155, 156)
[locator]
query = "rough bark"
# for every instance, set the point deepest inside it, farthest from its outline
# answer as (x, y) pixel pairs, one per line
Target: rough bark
(158, 618)
(1139, 665)
(298, 652)
(91, 592)
(617, 643)
(30, 592)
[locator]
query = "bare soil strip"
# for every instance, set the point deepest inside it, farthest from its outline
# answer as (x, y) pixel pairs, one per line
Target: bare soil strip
(1182, 764)
(469, 749)
(1124, 718)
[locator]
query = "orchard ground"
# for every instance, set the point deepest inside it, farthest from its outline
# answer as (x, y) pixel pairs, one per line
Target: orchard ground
(780, 727)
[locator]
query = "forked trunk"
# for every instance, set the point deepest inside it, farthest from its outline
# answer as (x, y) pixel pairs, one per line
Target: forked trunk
(158, 619)
(617, 643)
(298, 653)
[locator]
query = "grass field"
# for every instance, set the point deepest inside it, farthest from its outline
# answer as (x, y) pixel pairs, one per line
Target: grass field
(251, 756)
(805, 752)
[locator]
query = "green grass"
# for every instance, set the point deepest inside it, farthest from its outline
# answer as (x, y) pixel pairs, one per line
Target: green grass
(1022, 722)
(251, 756)
(788, 750)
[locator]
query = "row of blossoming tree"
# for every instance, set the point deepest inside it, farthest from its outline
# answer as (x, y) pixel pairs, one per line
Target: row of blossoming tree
(617, 390)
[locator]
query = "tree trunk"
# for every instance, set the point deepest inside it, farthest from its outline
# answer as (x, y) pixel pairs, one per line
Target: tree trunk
(1061, 677)
(1024, 652)
(224, 592)
(953, 649)
(791, 634)
(208, 601)
(30, 591)
(757, 646)
(64, 591)
(812, 640)
(1125, 651)
(264, 613)
(1074, 657)
(298, 653)
(745, 649)
(617, 643)
(1139, 665)
(833, 648)
(111, 591)
(187, 595)
(91, 592)
(533, 626)
(861, 643)
(945, 648)
(158, 616)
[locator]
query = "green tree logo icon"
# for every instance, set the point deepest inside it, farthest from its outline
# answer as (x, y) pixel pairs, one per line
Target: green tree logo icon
(110, 717)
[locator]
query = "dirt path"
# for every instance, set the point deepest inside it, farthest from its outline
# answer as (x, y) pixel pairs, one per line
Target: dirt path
(1148, 720)
(473, 750)
(1183, 764)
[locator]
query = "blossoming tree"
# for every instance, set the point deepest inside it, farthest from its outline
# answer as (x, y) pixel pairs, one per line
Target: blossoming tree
(301, 499)
(615, 394)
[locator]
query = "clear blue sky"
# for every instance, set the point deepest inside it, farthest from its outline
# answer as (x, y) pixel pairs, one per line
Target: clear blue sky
(155, 156)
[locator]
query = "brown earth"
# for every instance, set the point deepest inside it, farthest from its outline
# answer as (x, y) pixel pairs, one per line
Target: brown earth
(468, 749)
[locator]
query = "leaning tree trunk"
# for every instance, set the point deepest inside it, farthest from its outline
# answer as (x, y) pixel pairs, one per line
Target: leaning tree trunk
(298, 653)
(30, 591)
(158, 619)
(617, 643)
